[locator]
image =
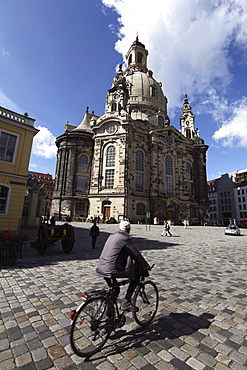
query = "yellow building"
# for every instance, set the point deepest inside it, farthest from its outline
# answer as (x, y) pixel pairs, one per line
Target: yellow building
(16, 137)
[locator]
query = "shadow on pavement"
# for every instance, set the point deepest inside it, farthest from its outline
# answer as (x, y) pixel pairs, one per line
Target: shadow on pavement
(164, 333)
(82, 249)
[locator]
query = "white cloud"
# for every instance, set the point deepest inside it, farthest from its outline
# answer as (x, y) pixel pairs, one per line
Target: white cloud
(188, 41)
(44, 143)
(5, 53)
(233, 132)
(32, 165)
(214, 104)
(5, 102)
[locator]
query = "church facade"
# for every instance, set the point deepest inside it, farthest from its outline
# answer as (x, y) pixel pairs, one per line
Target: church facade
(131, 162)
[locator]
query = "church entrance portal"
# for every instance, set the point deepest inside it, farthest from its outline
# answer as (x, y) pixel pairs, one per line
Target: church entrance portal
(106, 209)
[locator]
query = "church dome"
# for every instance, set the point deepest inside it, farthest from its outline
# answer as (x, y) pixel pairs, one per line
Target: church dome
(144, 90)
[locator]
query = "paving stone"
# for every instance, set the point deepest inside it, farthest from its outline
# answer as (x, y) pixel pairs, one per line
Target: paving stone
(56, 351)
(223, 359)
(165, 355)
(238, 357)
(201, 323)
(180, 364)
(4, 344)
(20, 350)
(207, 359)
(23, 359)
(195, 364)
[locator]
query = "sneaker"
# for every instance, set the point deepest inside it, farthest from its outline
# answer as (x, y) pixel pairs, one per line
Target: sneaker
(128, 306)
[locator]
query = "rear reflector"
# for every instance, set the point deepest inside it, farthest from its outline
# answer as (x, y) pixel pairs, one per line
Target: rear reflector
(72, 314)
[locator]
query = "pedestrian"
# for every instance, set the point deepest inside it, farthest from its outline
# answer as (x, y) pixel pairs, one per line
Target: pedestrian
(94, 233)
(166, 229)
(186, 223)
(117, 261)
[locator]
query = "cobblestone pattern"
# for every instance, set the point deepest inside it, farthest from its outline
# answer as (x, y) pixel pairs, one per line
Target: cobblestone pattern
(201, 323)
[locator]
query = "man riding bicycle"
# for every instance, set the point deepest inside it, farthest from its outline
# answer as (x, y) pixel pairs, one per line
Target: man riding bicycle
(117, 260)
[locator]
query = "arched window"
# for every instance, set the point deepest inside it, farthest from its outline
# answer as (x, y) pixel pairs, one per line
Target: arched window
(140, 209)
(130, 58)
(114, 107)
(140, 169)
(169, 179)
(188, 134)
(82, 164)
(139, 57)
(188, 172)
(153, 91)
(161, 121)
(189, 178)
(110, 156)
(168, 165)
(139, 160)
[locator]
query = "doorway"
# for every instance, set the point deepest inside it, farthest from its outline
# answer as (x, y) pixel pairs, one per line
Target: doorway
(106, 209)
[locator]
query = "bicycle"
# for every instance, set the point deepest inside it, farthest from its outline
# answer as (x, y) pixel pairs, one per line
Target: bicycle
(98, 315)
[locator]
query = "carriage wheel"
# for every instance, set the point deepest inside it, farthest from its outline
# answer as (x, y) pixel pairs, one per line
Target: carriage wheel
(42, 239)
(68, 239)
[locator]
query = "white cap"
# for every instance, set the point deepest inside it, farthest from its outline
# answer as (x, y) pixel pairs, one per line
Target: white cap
(124, 225)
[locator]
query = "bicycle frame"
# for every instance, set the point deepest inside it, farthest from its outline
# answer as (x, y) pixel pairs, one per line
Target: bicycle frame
(100, 314)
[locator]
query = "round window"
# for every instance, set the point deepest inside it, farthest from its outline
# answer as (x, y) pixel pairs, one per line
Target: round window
(111, 129)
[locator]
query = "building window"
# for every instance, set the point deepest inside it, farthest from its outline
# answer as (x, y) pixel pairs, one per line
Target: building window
(109, 179)
(140, 209)
(189, 187)
(169, 185)
(139, 57)
(80, 207)
(153, 91)
(4, 199)
(188, 134)
(139, 161)
(168, 140)
(139, 181)
(114, 107)
(110, 156)
(81, 184)
(188, 172)
(169, 182)
(168, 165)
(161, 121)
(83, 164)
(7, 146)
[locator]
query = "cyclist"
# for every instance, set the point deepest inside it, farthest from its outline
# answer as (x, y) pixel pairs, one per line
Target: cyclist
(117, 260)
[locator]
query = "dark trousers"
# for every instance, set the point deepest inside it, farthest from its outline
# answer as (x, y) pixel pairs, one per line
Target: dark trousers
(132, 285)
(94, 237)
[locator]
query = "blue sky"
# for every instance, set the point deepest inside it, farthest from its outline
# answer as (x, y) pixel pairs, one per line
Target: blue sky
(57, 57)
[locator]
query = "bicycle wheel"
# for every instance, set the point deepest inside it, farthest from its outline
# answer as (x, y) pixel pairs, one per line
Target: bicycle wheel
(146, 298)
(92, 326)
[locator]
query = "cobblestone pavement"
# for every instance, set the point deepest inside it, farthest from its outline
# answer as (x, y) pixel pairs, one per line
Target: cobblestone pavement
(201, 323)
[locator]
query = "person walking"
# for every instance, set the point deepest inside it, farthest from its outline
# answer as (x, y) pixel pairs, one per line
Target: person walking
(119, 259)
(166, 229)
(94, 233)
